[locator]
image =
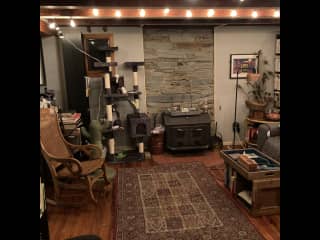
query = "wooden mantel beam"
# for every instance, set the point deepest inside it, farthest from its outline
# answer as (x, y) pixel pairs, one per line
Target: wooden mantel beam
(161, 3)
(44, 29)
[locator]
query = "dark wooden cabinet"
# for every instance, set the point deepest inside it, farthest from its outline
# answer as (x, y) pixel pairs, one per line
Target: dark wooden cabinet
(187, 132)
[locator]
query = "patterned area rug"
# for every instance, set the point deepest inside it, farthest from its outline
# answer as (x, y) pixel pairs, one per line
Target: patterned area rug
(176, 201)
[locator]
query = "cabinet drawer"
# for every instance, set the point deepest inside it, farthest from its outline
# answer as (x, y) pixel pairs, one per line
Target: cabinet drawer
(266, 183)
(177, 136)
(200, 135)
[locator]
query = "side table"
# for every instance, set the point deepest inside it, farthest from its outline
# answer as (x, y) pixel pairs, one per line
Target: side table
(251, 132)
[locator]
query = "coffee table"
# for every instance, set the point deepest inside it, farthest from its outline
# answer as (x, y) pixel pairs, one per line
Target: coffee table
(258, 190)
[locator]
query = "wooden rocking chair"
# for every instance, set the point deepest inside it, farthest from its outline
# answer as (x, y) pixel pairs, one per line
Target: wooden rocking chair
(68, 172)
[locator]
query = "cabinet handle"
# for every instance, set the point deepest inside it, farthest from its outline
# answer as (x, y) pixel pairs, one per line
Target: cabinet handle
(199, 129)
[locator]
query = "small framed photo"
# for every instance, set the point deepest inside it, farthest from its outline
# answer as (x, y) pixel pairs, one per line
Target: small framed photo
(241, 64)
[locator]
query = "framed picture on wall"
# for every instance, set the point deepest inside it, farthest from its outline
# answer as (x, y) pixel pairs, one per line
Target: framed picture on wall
(241, 64)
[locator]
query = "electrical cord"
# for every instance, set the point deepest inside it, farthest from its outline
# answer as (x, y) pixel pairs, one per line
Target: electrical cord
(80, 50)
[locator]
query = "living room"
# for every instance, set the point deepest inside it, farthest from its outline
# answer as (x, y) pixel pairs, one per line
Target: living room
(181, 65)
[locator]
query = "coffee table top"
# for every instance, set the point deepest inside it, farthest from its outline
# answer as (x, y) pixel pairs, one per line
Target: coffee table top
(267, 166)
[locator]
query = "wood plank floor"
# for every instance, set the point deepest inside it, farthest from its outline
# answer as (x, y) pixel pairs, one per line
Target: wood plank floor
(66, 222)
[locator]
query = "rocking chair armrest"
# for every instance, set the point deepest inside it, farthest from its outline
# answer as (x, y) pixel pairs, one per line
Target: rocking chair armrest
(72, 164)
(91, 150)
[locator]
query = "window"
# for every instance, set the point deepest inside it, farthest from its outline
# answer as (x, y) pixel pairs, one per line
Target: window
(96, 45)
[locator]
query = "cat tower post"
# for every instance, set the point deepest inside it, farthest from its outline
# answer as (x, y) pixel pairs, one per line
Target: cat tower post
(139, 122)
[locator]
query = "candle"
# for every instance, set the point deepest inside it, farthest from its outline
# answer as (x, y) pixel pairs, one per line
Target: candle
(136, 103)
(141, 147)
(109, 112)
(111, 146)
(135, 78)
(107, 80)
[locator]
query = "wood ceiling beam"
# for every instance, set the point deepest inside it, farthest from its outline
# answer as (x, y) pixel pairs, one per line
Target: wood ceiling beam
(161, 3)
(168, 22)
(44, 29)
(154, 13)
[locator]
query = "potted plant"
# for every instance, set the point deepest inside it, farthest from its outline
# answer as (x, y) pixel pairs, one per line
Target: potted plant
(258, 97)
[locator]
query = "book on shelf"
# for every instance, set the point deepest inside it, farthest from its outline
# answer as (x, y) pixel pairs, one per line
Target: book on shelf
(70, 118)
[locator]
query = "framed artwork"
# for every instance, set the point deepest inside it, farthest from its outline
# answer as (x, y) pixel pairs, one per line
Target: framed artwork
(241, 64)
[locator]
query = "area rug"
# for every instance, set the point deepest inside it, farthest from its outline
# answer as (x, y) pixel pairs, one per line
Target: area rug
(176, 202)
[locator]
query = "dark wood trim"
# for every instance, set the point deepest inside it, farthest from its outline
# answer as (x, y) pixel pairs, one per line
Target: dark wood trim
(162, 3)
(172, 22)
(44, 29)
(43, 69)
(156, 13)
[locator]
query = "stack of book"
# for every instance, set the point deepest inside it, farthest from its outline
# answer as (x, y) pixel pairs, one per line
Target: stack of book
(71, 120)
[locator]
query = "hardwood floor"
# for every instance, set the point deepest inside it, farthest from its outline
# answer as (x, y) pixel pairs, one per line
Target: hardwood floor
(66, 222)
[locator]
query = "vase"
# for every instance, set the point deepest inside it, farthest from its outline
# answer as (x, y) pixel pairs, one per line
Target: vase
(253, 76)
(257, 110)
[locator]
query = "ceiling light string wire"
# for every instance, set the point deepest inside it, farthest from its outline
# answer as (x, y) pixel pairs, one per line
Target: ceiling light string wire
(80, 50)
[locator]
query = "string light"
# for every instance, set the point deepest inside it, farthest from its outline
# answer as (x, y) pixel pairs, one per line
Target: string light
(95, 12)
(118, 13)
(276, 13)
(254, 14)
(188, 14)
(52, 25)
(166, 12)
(142, 13)
(210, 12)
(72, 23)
(233, 13)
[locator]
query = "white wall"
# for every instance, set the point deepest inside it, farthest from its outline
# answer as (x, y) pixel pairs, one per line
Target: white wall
(227, 40)
(54, 72)
(233, 40)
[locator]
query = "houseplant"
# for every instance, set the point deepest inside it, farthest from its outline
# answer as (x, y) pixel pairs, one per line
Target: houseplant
(258, 96)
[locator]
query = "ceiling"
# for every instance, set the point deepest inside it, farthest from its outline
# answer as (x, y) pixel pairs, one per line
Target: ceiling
(181, 12)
